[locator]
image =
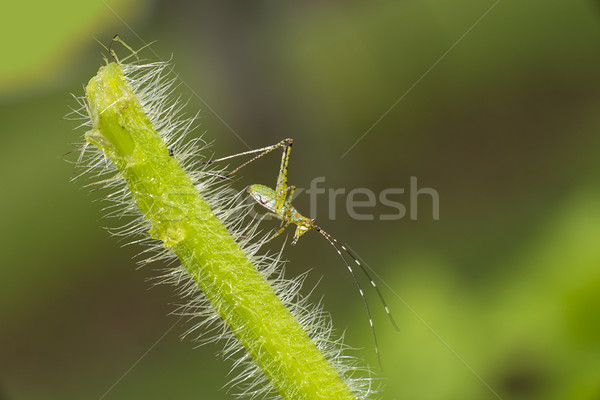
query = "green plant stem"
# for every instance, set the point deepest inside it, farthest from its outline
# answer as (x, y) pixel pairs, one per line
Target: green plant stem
(183, 221)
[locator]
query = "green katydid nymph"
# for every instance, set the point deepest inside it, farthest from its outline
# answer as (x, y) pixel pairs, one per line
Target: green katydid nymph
(279, 204)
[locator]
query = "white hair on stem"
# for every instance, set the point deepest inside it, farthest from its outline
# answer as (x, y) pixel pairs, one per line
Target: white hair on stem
(154, 84)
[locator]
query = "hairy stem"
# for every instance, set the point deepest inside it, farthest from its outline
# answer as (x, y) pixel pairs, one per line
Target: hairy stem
(184, 222)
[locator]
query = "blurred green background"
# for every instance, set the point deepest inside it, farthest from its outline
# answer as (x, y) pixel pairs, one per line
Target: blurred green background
(503, 290)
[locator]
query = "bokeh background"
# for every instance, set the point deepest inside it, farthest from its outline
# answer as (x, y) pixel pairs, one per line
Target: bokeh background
(501, 294)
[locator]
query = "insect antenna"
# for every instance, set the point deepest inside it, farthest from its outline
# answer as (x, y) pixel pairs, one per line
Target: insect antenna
(364, 270)
(335, 245)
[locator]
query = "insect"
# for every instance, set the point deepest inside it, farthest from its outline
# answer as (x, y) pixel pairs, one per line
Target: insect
(278, 203)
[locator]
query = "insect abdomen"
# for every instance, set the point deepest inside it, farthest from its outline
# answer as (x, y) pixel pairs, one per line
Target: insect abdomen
(264, 195)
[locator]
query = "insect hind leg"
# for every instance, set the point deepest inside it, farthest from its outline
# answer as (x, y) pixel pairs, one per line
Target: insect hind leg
(262, 152)
(284, 197)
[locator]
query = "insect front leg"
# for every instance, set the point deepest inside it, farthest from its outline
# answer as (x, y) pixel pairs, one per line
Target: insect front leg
(279, 231)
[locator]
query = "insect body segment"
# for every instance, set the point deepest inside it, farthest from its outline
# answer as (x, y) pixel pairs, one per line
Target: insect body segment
(287, 213)
(278, 202)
